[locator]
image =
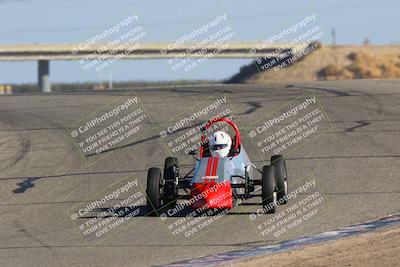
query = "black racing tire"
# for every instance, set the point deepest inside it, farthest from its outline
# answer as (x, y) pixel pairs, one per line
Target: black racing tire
(281, 178)
(268, 189)
(154, 191)
(171, 173)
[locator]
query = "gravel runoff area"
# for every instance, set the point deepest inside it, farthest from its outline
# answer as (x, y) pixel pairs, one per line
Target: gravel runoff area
(378, 248)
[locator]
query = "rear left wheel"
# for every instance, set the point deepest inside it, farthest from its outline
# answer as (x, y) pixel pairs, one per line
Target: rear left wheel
(154, 191)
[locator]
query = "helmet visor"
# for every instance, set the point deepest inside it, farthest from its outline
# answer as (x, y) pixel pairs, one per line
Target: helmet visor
(219, 146)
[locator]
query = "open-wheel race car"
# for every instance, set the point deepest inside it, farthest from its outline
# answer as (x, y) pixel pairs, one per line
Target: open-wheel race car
(217, 182)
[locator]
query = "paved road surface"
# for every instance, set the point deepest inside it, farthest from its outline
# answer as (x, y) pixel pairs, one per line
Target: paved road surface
(354, 159)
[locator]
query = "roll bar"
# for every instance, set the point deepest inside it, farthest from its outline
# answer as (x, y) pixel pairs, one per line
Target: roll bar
(227, 120)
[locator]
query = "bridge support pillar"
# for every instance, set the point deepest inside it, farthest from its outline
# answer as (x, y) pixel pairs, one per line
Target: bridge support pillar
(43, 76)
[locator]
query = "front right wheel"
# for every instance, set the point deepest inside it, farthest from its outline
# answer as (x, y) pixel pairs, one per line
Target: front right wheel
(268, 193)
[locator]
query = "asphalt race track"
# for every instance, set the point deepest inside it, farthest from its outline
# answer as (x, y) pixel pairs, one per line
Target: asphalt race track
(355, 160)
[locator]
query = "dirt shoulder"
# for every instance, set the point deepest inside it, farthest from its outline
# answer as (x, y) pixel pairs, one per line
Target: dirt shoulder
(380, 248)
(329, 63)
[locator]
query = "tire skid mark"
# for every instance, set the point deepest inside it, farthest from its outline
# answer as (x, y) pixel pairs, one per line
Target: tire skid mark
(328, 90)
(37, 240)
(25, 142)
(253, 107)
(361, 123)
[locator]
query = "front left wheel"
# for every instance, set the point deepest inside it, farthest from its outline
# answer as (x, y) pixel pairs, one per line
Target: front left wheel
(171, 174)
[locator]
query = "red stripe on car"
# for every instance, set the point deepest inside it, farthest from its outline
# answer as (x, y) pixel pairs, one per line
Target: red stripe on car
(209, 167)
(215, 165)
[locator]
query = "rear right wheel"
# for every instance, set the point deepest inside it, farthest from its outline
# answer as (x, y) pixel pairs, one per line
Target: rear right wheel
(281, 178)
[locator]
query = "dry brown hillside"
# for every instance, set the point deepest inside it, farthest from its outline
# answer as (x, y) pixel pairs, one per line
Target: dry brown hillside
(330, 63)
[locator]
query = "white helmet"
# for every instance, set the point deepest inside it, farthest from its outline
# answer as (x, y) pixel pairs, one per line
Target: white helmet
(220, 144)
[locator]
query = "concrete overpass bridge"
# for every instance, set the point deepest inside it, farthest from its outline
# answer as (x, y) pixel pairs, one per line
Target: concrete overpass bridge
(44, 53)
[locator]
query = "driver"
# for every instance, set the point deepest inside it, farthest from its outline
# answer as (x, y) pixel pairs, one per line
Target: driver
(220, 144)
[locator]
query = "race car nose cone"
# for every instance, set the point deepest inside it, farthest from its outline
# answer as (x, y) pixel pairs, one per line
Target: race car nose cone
(210, 195)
